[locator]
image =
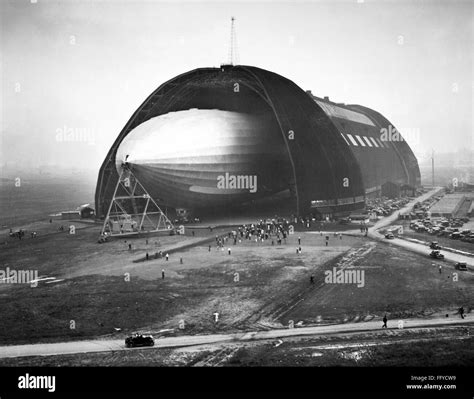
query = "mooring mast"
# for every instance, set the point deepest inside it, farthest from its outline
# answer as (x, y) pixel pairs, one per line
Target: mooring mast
(132, 210)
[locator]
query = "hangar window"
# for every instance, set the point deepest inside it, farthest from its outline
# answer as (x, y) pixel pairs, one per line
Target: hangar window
(352, 139)
(360, 140)
(373, 141)
(367, 141)
(338, 112)
(345, 139)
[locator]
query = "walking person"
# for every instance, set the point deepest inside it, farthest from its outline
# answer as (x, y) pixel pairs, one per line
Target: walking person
(461, 312)
(167, 257)
(384, 321)
(311, 279)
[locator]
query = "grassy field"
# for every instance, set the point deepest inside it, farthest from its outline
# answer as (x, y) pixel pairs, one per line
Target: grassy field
(103, 287)
(397, 283)
(95, 294)
(401, 350)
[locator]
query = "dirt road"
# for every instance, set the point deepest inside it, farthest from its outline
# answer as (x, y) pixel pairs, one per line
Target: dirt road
(183, 341)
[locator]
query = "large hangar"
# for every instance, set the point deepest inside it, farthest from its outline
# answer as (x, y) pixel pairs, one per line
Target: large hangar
(217, 138)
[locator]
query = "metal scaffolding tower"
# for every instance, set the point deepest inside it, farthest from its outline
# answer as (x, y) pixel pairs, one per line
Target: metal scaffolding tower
(132, 210)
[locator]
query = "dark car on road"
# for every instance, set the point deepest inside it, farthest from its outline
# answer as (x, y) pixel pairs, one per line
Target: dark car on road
(138, 340)
(389, 236)
(461, 266)
(437, 255)
(435, 245)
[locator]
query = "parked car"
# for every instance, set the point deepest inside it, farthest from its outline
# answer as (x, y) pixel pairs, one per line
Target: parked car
(436, 255)
(137, 340)
(461, 266)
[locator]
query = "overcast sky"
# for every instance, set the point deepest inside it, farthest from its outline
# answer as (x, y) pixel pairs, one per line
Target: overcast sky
(87, 65)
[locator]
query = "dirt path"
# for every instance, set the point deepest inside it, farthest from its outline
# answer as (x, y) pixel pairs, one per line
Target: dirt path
(182, 341)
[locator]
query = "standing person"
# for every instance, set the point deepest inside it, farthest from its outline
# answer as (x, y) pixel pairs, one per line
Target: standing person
(147, 256)
(311, 279)
(228, 250)
(439, 269)
(299, 240)
(384, 321)
(162, 274)
(167, 257)
(209, 248)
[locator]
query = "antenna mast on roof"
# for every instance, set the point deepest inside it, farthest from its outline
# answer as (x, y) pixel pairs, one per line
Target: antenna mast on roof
(233, 51)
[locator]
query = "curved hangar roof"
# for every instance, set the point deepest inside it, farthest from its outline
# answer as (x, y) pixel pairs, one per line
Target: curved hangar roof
(335, 154)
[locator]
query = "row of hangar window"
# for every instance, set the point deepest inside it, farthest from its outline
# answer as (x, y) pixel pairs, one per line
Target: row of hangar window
(339, 201)
(363, 141)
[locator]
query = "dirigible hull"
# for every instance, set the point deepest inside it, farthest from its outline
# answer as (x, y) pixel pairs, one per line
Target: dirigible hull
(206, 158)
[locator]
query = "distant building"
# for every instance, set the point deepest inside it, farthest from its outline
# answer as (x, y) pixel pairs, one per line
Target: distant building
(86, 211)
(67, 215)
